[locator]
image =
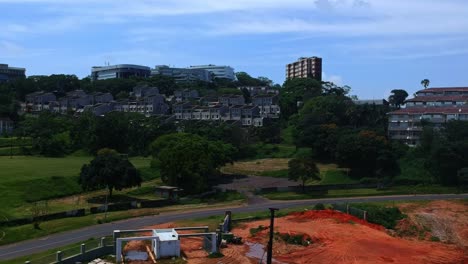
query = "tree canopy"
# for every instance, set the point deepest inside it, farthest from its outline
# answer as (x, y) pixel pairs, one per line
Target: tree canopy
(302, 169)
(189, 161)
(398, 97)
(109, 170)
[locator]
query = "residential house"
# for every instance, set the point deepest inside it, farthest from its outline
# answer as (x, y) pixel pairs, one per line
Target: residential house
(267, 104)
(435, 105)
(145, 91)
(185, 95)
(6, 125)
(230, 99)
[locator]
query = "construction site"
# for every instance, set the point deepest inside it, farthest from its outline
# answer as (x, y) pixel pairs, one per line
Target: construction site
(432, 232)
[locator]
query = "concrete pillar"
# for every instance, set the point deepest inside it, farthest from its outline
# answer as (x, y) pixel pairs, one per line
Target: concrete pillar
(83, 248)
(365, 215)
(347, 208)
(116, 235)
(214, 247)
(118, 251)
(103, 241)
(59, 256)
(229, 214)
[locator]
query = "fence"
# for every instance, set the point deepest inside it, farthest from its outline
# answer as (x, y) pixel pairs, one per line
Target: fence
(317, 189)
(87, 251)
(83, 212)
(345, 208)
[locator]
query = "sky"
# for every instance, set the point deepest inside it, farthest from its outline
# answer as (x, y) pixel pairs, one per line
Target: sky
(374, 46)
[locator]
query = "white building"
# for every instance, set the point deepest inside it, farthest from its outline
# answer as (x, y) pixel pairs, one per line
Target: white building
(222, 72)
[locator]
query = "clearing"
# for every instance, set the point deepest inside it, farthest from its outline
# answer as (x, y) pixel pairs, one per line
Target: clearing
(27, 179)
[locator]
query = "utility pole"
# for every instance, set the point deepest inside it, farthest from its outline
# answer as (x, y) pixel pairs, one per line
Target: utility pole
(272, 226)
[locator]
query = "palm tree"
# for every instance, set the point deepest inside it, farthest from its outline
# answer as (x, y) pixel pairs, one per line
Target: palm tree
(425, 83)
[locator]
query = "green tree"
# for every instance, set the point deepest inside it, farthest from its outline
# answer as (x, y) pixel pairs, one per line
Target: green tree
(302, 169)
(295, 92)
(189, 161)
(425, 83)
(398, 97)
(109, 170)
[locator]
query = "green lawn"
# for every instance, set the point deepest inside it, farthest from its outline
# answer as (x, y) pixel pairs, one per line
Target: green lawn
(27, 179)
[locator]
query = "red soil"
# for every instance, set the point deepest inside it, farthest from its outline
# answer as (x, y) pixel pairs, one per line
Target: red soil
(339, 238)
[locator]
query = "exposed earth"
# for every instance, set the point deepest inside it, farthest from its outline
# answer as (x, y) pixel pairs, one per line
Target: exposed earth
(334, 237)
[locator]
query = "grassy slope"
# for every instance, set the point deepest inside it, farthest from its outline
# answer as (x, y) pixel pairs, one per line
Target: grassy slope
(26, 179)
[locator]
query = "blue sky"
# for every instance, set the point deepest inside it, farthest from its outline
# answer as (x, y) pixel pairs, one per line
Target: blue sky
(373, 46)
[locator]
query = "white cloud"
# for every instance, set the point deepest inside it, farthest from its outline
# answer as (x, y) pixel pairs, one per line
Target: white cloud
(336, 79)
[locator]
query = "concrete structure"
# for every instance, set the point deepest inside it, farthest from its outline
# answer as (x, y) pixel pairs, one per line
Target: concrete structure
(222, 72)
(182, 74)
(305, 67)
(434, 105)
(121, 71)
(371, 102)
(8, 73)
(166, 243)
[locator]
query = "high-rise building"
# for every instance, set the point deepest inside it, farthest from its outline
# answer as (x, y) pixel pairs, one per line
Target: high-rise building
(222, 72)
(310, 67)
(434, 105)
(121, 71)
(8, 73)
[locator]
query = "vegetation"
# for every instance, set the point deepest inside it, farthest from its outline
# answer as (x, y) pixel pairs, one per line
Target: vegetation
(189, 161)
(109, 170)
(385, 216)
(303, 169)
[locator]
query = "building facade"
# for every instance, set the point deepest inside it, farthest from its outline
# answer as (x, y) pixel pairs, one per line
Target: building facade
(121, 71)
(182, 74)
(8, 73)
(305, 67)
(222, 72)
(435, 105)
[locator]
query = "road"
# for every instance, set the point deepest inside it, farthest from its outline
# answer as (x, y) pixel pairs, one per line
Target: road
(53, 241)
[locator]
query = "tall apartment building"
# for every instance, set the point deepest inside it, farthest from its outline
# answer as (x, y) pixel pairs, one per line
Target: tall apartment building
(8, 73)
(121, 71)
(435, 105)
(222, 72)
(305, 67)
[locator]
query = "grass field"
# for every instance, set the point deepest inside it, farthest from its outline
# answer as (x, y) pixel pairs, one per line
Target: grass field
(278, 168)
(26, 179)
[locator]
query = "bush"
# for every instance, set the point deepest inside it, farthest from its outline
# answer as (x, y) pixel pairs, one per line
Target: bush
(298, 239)
(385, 216)
(319, 206)
(254, 231)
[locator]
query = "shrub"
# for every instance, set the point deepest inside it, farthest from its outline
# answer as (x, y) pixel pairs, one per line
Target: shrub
(385, 216)
(319, 206)
(254, 231)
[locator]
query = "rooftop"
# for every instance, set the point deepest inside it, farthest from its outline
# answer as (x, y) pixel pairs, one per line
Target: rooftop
(431, 110)
(444, 89)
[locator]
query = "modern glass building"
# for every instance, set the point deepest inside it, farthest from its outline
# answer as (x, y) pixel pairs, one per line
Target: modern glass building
(8, 73)
(182, 74)
(121, 71)
(222, 72)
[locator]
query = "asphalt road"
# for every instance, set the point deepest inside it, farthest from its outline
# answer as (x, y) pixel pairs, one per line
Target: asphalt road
(53, 241)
